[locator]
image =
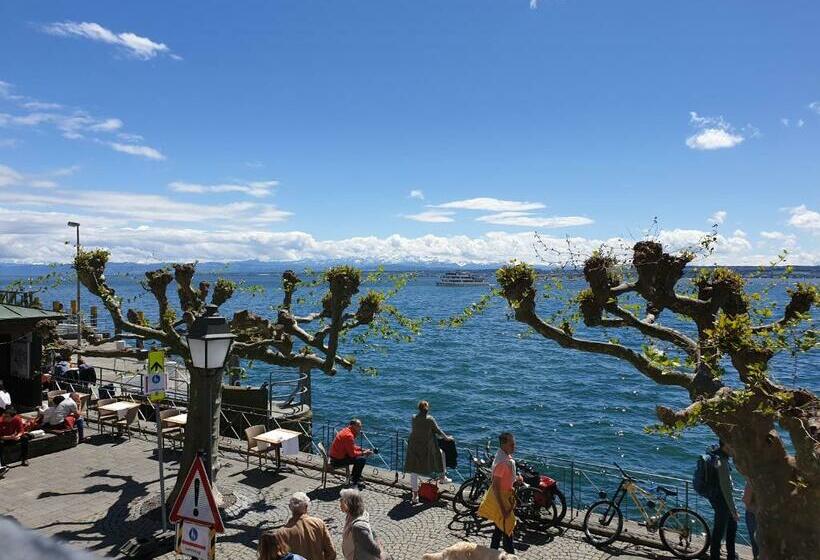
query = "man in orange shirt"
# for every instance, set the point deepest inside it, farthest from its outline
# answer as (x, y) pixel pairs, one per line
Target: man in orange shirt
(344, 451)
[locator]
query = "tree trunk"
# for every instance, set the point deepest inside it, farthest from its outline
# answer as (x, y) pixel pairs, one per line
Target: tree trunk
(204, 406)
(787, 499)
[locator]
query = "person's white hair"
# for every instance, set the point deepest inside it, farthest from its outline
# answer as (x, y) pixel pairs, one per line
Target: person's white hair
(299, 502)
(352, 498)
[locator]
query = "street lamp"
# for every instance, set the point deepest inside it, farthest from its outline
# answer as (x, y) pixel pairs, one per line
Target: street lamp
(76, 225)
(209, 341)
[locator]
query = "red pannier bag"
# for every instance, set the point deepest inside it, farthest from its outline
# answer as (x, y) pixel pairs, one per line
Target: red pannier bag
(547, 487)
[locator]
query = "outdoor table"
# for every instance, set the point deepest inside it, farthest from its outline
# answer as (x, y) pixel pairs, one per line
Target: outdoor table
(277, 438)
(178, 420)
(120, 407)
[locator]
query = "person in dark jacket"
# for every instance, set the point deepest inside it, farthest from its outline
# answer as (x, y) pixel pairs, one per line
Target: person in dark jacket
(87, 373)
(423, 454)
(726, 516)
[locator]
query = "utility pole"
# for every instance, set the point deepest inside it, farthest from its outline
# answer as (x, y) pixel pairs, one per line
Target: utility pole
(76, 225)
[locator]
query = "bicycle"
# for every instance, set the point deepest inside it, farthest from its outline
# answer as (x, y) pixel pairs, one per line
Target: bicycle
(468, 496)
(533, 504)
(545, 502)
(683, 532)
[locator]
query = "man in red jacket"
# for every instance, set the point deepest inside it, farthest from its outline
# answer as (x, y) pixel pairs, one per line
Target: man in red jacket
(344, 451)
(13, 432)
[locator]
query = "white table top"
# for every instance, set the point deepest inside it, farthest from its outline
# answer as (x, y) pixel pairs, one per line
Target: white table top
(118, 406)
(179, 419)
(276, 437)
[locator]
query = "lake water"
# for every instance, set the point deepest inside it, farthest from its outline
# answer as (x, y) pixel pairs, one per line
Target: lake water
(488, 376)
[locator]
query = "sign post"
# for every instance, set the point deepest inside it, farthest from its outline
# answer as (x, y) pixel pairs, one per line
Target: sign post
(156, 383)
(196, 514)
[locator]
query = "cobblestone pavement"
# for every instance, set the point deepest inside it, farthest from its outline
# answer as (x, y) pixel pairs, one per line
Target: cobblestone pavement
(95, 496)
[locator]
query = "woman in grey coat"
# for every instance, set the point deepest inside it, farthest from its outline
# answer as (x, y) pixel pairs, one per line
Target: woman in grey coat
(423, 454)
(358, 542)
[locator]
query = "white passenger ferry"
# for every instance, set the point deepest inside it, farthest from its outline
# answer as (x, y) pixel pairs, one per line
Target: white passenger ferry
(461, 279)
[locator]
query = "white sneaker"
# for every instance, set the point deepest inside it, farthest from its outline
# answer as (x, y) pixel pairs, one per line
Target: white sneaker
(443, 479)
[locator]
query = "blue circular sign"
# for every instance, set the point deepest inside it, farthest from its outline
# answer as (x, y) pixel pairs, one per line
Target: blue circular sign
(155, 378)
(193, 534)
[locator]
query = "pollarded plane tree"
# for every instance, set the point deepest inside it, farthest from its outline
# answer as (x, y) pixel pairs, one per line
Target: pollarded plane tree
(284, 341)
(724, 367)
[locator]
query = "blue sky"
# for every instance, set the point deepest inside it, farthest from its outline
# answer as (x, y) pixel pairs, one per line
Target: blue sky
(283, 130)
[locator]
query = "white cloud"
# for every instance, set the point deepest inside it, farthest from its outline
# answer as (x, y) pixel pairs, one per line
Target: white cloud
(491, 205)
(253, 188)
(417, 194)
(41, 106)
(108, 125)
(73, 124)
(136, 150)
(131, 207)
(9, 177)
(803, 218)
(787, 240)
(527, 219)
(718, 217)
(12, 178)
(714, 133)
(31, 236)
(789, 123)
(713, 139)
(431, 216)
(815, 106)
(135, 45)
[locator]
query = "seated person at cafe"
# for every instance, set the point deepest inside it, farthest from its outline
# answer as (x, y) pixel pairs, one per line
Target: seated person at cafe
(65, 414)
(61, 368)
(13, 432)
(344, 451)
(88, 375)
(5, 398)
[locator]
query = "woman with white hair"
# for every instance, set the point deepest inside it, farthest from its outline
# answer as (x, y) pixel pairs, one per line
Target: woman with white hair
(358, 542)
(306, 535)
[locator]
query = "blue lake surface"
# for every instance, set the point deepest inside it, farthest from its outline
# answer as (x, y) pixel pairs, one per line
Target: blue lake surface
(489, 375)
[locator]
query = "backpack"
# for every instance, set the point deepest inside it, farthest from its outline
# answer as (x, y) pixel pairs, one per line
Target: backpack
(705, 480)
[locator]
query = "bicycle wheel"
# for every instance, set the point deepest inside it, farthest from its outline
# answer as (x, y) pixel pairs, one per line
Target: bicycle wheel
(684, 533)
(560, 502)
(468, 496)
(603, 523)
(530, 511)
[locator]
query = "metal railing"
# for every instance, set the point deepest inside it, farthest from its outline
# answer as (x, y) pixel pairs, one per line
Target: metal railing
(581, 481)
(18, 298)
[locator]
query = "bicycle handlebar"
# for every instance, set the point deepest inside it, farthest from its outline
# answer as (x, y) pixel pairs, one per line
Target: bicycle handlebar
(623, 472)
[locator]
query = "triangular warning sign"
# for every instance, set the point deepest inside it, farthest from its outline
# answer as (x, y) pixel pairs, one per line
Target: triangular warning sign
(196, 500)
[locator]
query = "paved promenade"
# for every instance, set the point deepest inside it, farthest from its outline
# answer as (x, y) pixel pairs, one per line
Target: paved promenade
(95, 496)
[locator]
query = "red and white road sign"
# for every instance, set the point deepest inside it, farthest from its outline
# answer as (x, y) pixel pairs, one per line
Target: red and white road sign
(196, 500)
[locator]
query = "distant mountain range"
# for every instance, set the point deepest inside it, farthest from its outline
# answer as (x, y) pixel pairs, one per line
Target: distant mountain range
(14, 270)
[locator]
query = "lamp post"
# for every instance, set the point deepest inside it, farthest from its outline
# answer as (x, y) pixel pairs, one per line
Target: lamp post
(209, 342)
(76, 225)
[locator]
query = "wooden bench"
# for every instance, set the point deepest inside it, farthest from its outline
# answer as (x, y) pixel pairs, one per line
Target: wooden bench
(52, 442)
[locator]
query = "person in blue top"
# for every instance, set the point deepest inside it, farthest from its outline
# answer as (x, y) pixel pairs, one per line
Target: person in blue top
(274, 546)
